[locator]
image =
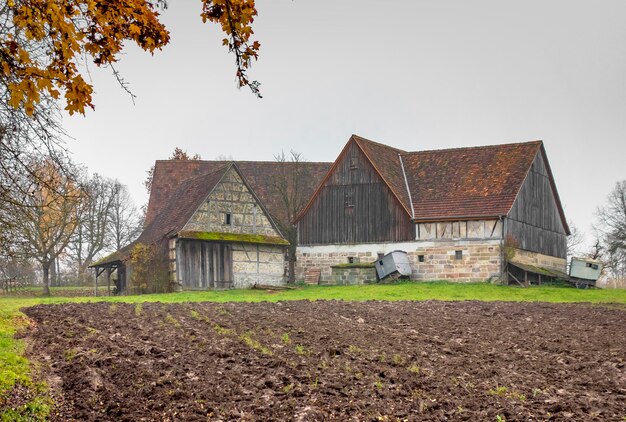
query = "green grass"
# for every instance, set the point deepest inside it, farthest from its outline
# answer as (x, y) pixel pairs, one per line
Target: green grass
(15, 368)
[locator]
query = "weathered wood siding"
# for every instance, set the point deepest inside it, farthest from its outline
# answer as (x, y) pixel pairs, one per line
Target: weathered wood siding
(534, 220)
(355, 206)
(204, 265)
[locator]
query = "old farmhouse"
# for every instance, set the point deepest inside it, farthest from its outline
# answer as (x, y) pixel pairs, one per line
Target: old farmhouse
(216, 224)
(464, 214)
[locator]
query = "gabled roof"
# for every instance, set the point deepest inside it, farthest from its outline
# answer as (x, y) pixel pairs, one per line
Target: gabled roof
(386, 162)
(457, 183)
(169, 174)
(180, 186)
(467, 182)
(184, 201)
(181, 205)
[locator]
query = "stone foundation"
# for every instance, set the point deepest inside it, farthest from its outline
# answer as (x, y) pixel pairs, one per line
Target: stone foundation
(353, 274)
(479, 260)
(538, 260)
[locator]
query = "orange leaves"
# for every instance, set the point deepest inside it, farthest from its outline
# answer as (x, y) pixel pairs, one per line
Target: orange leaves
(50, 38)
(235, 18)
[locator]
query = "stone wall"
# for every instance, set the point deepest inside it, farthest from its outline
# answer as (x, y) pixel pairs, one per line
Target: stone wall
(257, 264)
(479, 260)
(353, 274)
(538, 260)
(231, 196)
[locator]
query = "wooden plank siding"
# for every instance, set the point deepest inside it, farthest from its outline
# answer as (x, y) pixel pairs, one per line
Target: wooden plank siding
(355, 206)
(204, 265)
(534, 220)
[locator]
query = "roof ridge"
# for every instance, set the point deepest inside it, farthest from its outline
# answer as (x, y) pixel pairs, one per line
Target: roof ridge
(360, 138)
(241, 161)
(537, 142)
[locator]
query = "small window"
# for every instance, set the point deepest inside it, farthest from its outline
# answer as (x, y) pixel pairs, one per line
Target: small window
(420, 258)
(353, 163)
(350, 260)
(592, 266)
(458, 254)
(227, 219)
(349, 199)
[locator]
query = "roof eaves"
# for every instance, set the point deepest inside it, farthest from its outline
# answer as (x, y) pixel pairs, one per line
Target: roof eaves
(406, 183)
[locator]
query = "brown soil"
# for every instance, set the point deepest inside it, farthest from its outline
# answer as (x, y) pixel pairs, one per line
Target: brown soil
(332, 360)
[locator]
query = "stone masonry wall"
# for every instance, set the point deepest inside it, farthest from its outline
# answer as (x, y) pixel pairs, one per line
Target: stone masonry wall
(353, 275)
(539, 260)
(231, 196)
(480, 260)
(257, 264)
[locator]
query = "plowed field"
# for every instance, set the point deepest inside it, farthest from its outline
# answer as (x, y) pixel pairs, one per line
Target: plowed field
(332, 360)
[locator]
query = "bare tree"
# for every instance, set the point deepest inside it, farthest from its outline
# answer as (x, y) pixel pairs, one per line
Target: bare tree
(612, 226)
(91, 234)
(575, 240)
(291, 183)
(125, 220)
(48, 213)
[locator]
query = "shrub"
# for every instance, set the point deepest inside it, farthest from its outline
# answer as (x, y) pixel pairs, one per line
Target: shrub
(148, 271)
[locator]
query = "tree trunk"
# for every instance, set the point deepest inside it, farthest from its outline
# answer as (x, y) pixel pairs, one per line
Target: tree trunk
(292, 264)
(46, 278)
(52, 273)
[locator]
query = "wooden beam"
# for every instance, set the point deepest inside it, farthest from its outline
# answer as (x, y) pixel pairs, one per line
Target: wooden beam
(515, 278)
(109, 281)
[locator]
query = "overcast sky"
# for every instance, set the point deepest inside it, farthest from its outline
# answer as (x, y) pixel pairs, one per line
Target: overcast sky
(414, 74)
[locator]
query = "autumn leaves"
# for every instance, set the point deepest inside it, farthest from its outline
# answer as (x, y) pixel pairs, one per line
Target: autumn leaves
(44, 42)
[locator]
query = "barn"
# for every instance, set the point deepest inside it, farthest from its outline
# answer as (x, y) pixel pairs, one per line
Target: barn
(210, 224)
(462, 214)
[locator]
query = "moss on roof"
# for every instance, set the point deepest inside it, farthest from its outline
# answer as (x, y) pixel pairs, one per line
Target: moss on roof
(355, 265)
(234, 237)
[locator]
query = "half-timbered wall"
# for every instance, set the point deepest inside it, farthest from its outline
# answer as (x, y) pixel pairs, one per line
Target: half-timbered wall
(354, 206)
(479, 229)
(258, 264)
(534, 221)
(231, 197)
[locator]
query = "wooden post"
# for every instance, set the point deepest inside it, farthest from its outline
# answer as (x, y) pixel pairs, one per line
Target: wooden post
(109, 281)
(96, 291)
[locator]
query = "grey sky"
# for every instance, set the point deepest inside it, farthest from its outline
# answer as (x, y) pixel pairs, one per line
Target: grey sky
(413, 74)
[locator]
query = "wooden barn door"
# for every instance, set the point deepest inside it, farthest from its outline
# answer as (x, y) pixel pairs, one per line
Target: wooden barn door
(205, 265)
(191, 264)
(218, 261)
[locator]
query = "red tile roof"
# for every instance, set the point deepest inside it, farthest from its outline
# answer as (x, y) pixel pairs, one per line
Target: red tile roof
(467, 182)
(181, 205)
(169, 174)
(458, 183)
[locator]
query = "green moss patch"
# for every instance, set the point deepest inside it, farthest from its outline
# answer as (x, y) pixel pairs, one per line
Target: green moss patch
(355, 265)
(234, 237)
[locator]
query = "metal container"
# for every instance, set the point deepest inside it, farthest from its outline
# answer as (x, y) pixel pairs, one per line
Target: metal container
(393, 262)
(586, 269)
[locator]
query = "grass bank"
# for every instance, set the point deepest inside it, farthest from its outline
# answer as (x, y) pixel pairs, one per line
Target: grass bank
(14, 367)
